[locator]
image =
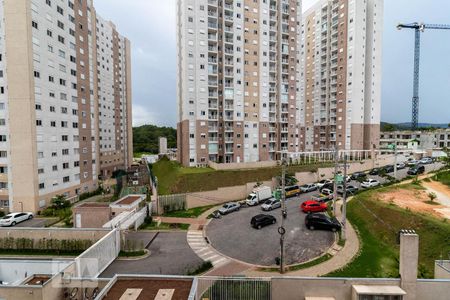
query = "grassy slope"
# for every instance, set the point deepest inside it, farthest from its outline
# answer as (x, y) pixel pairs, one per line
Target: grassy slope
(173, 179)
(379, 255)
(444, 177)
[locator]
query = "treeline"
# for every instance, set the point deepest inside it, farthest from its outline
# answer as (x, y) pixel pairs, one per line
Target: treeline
(146, 138)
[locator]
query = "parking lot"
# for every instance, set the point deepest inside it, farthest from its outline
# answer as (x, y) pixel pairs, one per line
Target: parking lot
(233, 236)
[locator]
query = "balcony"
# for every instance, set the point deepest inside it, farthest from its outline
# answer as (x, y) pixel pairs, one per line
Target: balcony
(212, 117)
(213, 129)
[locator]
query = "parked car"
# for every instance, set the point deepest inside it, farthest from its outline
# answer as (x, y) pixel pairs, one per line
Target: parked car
(292, 191)
(229, 207)
(375, 171)
(327, 186)
(351, 189)
(306, 188)
(358, 175)
(416, 170)
(412, 162)
(15, 218)
(327, 192)
(401, 166)
(389, 168)
(311, 206)
(321, 183)
(259, 195)
(370, 183)
(259, 221)
(426, 161)
(321, 221)
(271, 204)
(322, 198)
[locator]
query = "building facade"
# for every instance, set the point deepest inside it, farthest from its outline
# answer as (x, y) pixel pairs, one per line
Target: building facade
(340, 65)
(416, 140)
(65, 101)
(237, 80)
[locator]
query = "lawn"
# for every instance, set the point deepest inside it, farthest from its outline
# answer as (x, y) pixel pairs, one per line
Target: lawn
(175, 179)
(378, 236)
(190, 213)
(443, 177)
(164, 226)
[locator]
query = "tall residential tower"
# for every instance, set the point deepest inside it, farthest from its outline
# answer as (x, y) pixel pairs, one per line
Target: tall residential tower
(238, 75)
(340, 94)
(65, 101)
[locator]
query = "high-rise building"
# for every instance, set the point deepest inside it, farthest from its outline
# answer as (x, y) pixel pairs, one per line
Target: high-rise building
(65, 101)
(238, 77)
(340, 90)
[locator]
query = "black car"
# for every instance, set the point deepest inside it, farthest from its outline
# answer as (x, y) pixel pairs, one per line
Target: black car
(328, 186)
(262, 220)
(375, 171)
(351, 189)
(389, 168)
(416, 170)
(358, 175)
(321, 221)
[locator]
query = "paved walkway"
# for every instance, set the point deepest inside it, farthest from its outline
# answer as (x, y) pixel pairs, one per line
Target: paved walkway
(199, 245)
(190, 221)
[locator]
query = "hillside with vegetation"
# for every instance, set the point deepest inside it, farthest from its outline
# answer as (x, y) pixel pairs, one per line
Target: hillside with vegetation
(146, 138)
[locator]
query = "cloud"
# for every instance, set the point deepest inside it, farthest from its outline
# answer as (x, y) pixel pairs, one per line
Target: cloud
(142, 116)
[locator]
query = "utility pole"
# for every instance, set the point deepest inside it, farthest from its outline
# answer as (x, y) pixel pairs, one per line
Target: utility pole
(281, 229)
(336, 162)
(395, 159)
(344, 201)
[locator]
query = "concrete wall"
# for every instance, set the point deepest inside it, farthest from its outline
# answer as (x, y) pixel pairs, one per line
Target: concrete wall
(327, 173)
(54, 233)
(91, 217)
(442, 269)
(23, 293)
(341, 289)
(15, 271)
(243, 166)
(433, 289)
(222, 195)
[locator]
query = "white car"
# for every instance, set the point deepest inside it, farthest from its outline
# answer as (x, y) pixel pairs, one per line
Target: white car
(426, 161)
(229, 208)
(270, 204)
(15, 218)
(321, 183)
(370, 183)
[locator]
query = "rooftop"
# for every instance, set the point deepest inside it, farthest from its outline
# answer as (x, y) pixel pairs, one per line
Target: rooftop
(149, 288)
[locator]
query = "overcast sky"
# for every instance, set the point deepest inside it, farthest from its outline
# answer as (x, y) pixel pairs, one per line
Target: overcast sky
(150, 25)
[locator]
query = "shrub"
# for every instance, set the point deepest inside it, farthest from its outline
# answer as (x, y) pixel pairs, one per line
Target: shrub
(432, 196)
(205, 266)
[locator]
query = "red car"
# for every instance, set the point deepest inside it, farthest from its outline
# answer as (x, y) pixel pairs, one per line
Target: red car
(312, 206)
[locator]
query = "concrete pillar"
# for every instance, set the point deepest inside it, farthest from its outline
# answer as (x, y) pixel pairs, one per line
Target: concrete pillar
(409, 260)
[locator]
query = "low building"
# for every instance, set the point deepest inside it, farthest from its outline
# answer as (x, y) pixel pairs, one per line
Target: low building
(163, 145)
(97, 214)
(416, 140)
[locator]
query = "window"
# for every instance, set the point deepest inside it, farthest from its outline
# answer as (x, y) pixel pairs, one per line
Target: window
(66, 179)
(3, 154)
(2, 138)
(60, 10)
(38, 122)
(34, 24)
(55, 168)
(65, 152)
(41, 186)
(65, 166)
(65, 138)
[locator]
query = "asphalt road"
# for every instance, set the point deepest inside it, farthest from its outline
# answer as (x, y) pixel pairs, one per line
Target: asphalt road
(170, 255)
(233, 236)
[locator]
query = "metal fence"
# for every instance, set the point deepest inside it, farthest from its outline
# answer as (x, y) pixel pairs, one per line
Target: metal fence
(169, 203)
(219, 288)
(301, 158)
(94, 260)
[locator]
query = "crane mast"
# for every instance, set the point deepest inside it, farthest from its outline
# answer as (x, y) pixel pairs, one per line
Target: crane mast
(418, 29)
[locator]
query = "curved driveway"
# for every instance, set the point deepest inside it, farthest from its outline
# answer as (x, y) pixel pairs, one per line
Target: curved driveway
(233, 236)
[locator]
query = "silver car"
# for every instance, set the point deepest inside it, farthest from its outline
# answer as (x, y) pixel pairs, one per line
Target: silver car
(229, 207)
(270, 204)
(15, 218)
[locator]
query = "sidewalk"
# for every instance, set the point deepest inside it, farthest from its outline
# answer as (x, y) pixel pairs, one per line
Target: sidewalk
(190, 221)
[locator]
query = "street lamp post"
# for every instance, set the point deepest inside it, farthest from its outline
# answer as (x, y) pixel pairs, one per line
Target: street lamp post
(281, 229)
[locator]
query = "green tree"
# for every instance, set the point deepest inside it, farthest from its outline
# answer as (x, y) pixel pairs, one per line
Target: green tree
(146, 138)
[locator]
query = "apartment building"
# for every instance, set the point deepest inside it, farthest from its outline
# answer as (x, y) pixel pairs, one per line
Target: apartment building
(65, 101)
(340, 82)
(238, 78)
